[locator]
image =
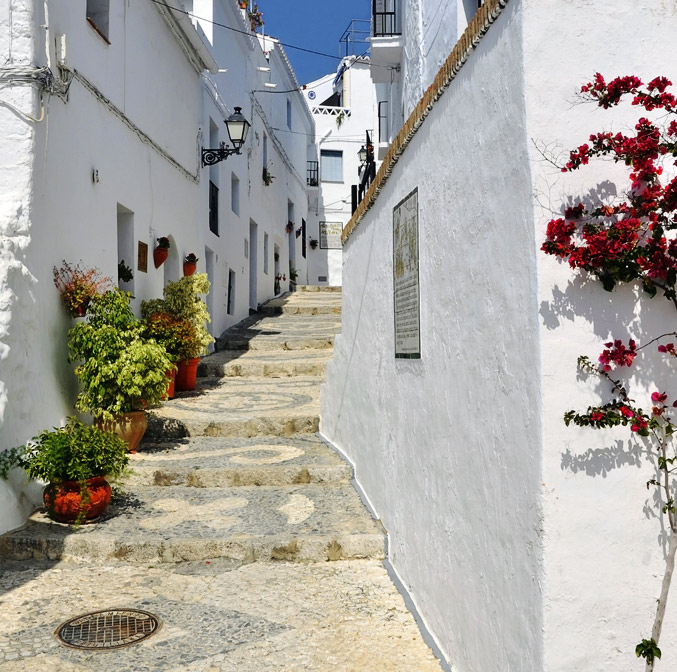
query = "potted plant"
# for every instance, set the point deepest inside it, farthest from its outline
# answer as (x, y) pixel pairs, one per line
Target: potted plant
(313, 243)
(74, 461)
(78, 285)
(290, 227)
(182, 299)
(161, 251)
(255, 17)
(267, 177)
(176, 335)
(242, 4)
(190, 264)
(121, 370)
(278, 279)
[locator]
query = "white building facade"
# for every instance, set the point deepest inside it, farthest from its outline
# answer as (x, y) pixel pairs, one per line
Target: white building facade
(345, 109)
(106, 108)
(524, 544)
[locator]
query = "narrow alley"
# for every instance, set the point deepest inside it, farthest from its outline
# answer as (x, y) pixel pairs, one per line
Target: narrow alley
(238, 528)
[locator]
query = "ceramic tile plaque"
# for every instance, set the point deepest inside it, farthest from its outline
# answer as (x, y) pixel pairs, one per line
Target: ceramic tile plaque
(330, 235)
(405, 278)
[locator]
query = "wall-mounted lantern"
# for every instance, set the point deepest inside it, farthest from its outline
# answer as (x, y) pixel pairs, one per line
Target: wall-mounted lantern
(238, 127)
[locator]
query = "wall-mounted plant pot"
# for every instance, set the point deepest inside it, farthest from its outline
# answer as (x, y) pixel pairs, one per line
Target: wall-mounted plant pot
(160, 255)
(80, 310)
(186, 374)
(189, 267)
(65, 502)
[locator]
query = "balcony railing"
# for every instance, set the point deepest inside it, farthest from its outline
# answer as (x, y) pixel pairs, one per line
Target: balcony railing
(313, 175)
(386, 18)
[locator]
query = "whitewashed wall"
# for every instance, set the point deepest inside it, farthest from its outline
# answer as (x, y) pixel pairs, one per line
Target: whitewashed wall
(525, 545)
(603, 560)
(22, 408)
(447, 448)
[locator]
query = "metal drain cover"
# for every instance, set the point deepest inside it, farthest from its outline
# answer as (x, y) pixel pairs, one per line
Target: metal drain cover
(110, 629)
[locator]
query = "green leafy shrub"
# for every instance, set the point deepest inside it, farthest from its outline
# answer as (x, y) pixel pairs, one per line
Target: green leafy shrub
(121, 368)
(74, 452)
(182, 300)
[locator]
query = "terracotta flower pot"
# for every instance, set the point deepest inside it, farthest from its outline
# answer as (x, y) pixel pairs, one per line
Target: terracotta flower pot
(80, 310)
(65, 502)
(186, 374)
(160, 255)
(171, 376)
(130, 427)
(189, 267)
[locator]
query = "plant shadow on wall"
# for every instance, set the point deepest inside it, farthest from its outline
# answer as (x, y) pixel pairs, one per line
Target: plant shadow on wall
(630, 241)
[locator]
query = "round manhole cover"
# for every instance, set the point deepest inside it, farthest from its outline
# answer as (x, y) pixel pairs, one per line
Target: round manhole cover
(110, 629)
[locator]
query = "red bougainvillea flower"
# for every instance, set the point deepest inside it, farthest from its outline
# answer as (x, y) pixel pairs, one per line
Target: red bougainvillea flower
(597, 416)
(616, 353)
(640, 423)
(628, 413)
(658, 397)
(668, 349)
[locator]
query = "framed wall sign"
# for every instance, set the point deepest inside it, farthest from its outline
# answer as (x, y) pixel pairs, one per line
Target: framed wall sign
(330, 235)
(407, 297)
(142, 257)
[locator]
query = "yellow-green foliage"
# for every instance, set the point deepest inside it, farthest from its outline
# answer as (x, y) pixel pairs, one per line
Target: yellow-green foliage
(182, 299)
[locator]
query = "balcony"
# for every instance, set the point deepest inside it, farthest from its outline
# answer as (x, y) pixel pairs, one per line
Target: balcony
(386, 40)
(313, 174)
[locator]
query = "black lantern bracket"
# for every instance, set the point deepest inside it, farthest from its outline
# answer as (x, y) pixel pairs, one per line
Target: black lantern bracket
(238, 127)
(212, 156)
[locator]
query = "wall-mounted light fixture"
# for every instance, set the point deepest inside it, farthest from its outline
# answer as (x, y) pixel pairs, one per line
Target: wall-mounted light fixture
(238, 127)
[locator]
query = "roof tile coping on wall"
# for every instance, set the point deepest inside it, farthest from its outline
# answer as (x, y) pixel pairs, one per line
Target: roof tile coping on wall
(477, 28)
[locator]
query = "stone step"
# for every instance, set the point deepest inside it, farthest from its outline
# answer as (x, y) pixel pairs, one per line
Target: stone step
(285, 332)
(303, 303)
(309, 523)
(265, 364)
(239, 407)
(206, 462)
(317, 288)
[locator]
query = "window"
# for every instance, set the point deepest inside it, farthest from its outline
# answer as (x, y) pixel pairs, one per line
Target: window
(331, 165)
(231, 292)
(97, 15)
(288, 113)
(213, 208)
(234, 193)
(265, 253)
(303, 238)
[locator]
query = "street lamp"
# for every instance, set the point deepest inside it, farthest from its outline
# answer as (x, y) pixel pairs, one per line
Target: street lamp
(238, 127)
(362, 155)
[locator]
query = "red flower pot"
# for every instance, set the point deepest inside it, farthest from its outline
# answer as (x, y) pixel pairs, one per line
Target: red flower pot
(171, 378)
(189, 267)
(80, 310)
(65, 502)
(186, 374)
(160, 255)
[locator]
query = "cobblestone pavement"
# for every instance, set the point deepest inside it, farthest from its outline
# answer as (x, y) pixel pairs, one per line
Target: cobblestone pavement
(239, 529)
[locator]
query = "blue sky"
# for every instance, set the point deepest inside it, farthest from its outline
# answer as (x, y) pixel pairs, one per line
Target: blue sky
(312, 24)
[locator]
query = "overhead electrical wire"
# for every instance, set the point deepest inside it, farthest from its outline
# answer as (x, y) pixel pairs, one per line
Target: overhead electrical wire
(246, 32)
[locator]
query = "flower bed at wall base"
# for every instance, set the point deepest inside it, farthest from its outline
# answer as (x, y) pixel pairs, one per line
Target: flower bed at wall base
(631, 239)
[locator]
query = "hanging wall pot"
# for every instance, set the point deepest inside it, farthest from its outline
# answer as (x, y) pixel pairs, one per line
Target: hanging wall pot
(161, 251)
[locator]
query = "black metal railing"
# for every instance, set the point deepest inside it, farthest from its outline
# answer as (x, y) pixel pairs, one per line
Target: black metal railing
(386, 18)
(213, 208)
(313, 175)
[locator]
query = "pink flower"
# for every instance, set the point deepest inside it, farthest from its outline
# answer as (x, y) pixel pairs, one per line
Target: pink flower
(658, 397)
(627, 412)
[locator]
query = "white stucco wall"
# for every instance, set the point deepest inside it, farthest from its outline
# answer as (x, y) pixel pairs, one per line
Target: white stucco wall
(603, 556)
(20, 406)
(447, 448)
(552, 559)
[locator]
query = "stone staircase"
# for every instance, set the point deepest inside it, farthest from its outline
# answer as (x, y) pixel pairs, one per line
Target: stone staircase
(232, 476)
